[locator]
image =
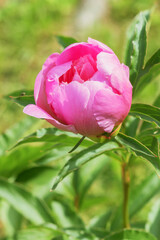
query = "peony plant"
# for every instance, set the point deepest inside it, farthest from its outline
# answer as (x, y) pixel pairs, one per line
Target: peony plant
(85, 92)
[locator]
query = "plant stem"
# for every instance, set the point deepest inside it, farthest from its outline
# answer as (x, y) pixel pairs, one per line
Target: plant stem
(126, 184)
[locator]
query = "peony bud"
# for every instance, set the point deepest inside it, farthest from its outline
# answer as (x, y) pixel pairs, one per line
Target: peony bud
(85, 90)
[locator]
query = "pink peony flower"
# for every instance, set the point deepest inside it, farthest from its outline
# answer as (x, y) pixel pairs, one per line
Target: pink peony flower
(85, 90)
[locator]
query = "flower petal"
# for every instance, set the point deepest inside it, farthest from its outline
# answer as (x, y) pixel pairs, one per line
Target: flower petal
(106, 62)
(77, 50)
(100, 45)
(109, 109)
(37, 112)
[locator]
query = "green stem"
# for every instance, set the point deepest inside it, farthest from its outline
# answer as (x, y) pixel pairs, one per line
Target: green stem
(126, 184)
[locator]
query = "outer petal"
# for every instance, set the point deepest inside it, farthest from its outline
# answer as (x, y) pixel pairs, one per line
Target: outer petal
(100, 45)
(77, 50)
(106, 62)
(109, 109)
(39, 87)
(37, 112)
(69, 103)
(73, 104)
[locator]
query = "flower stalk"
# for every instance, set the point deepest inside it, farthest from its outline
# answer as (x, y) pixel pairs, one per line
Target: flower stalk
(126, 185)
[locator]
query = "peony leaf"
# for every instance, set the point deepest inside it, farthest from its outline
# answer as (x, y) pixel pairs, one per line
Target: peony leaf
(131, 234)
(83, 157)
(22, 97)
(136, 45)
(54, 135)
(146, 112)
(65, 41)
(31, 207)
(146, 78)
(140, 150)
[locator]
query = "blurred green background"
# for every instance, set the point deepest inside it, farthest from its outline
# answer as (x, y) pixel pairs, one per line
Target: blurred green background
(28, 29)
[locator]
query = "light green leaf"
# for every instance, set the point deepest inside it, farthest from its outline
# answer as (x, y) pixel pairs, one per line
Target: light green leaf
(8, 138)
(42, 232)
(64, 212)
(152, 61)
(54, 135)
(83, 157)
(140, 149)
(154, 220)
(131, 234)
(22, 97)
(146, 112)
(31, 207)
(136, 45)
(65, 41)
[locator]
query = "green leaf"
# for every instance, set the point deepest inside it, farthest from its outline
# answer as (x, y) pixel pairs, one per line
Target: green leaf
(146, 78)
(42, 232)
(152, 61)
(8, 138)
(140, 149)
(38, 179)
(11, 165)
(22, 97)
(151, 142)
(138, 199)
(154, 220)
(65, 41)
(64, 212)
(151, 132)
(131, 234)
(31, 207)
(83, 157)
(54, 135)
(88, 174)
(136, 45)
(146, 112)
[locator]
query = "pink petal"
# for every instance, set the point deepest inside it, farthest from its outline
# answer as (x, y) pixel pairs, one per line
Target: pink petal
(75, 51)
(69, 103)
(106, 62)
(50, 61)
(37, 112)
(109, 109)
(102, 46)
(120, 81)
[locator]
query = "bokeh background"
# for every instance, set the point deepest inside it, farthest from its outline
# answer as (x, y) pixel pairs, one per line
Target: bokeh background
(27, 37)
(28, 30)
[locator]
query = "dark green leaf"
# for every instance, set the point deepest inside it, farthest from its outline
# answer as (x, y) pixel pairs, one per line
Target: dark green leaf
(65, 41)
(83, 157)
(31, 207)
(151, 132)
(140, 149)
(131, 234)
(136, 45)
(146, 112)
(22, 97)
